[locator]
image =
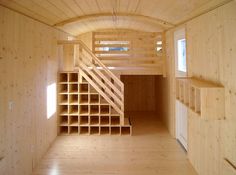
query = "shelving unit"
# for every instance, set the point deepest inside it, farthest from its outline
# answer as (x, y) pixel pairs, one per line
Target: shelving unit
(204, 98)
(83, 111)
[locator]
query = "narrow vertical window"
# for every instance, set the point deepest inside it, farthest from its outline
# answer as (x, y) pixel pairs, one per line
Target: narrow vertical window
(182, 55)
(51, 100)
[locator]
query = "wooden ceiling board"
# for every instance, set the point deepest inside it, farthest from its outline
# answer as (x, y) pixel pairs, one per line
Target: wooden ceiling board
(54, 12)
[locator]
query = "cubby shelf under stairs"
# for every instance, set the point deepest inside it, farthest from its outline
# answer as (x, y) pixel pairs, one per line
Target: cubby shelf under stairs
(91, 98)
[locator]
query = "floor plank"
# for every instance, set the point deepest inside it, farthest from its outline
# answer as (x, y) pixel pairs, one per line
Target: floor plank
(150, 151)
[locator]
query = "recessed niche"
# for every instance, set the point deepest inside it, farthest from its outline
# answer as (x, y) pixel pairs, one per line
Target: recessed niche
(84, 120)
(94, 109)
(104, 109)
(83, 88)
(94, 120)
(63, 77)
(115, 130)
(63, 88)
(64, 130)
(94, 130)
(74, 120)
(74, 99)
(105, 130)
(74, 88)
(94, 98)
(73, 77)
(115, 120)
(84, 109)
(84, 130)
(63, 120)
(74, 129)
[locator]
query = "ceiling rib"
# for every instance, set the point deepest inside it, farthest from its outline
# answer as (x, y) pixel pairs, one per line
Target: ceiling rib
(159, 22)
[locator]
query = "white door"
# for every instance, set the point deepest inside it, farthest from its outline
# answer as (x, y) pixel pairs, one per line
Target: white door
(181, 71)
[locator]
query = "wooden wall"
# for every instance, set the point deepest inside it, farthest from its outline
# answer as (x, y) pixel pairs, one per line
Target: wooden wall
(29, 62)
(211, 53)
(142, 93)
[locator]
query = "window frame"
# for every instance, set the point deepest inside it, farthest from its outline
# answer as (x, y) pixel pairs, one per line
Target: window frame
(180, 35)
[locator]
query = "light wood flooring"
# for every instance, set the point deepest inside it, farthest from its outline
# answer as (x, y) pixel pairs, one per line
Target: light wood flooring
(150, 151)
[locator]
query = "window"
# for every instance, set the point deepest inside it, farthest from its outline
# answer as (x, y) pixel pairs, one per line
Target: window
(182, 55)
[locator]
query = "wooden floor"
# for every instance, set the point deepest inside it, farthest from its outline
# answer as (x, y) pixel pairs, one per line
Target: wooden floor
(150, 150)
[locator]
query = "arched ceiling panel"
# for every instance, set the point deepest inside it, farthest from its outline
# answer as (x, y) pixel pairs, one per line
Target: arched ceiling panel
(53, 12)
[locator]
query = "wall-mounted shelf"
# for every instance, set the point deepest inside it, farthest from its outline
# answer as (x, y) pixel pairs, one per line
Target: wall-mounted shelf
(83, 111)
(202, 97)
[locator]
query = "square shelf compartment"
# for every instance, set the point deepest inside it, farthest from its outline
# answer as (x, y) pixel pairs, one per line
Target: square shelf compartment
(125, 130)
(192, 98)
(74, 120)
(84, 80)
(94, 130)
(63, 109)
(113, 111)
(104, 120)
(63, 120)
(115, 120)
(83, 88)
(92, 90)
(104, 109)
(84, 130)
(64, 130)
(102, 100)
(74, 99)
(105, 131)
(94, 109)
(84, 109)
(198, 101)
(74, 88)
(94, 120)
(83, 99)
(94, 98)
(63, 77)
(73, 77)
(115, 130)
(74, 109)
(63, 88)
(74, 129)
(63, 99)
(84, 120)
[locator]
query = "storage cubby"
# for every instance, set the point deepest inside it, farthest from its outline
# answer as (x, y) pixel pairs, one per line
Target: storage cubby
(104, 109)
(192, 98)
(94, 130)
(73, 78)
(104, 120)
(63, 99)
(83, 88)
(198, 101)
(64, 130)
(125, 130)
(92, 90)
(74, 109)
(74, 120)
(74, 99)
(103, 101)
(63, 109)
(84, 130)
(84, 109)
(115, 120)
(94, 98)
(113, 111)
(63, 77)
(115, 130)
(94, 109)
(83, 99)
(73, 88)
(94, 120)
(74, 129)
(63, 88)
(204, 98)
(63, 120)
(104, 130)
(84, 120)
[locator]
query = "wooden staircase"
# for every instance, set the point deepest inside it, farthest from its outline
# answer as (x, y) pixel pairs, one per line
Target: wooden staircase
(91, 98)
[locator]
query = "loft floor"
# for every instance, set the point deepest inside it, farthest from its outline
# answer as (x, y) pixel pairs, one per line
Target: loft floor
(150, 151)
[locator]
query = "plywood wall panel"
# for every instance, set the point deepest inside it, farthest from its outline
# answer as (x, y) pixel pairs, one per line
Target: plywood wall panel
(29, 63)
(211, 51)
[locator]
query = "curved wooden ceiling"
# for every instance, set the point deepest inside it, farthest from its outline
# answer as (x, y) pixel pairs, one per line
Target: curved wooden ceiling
(80, 16)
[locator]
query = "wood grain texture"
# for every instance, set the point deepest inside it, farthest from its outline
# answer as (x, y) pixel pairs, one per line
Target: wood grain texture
(211, 53)
(99, 14)
(29, 63)
(150, 151)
